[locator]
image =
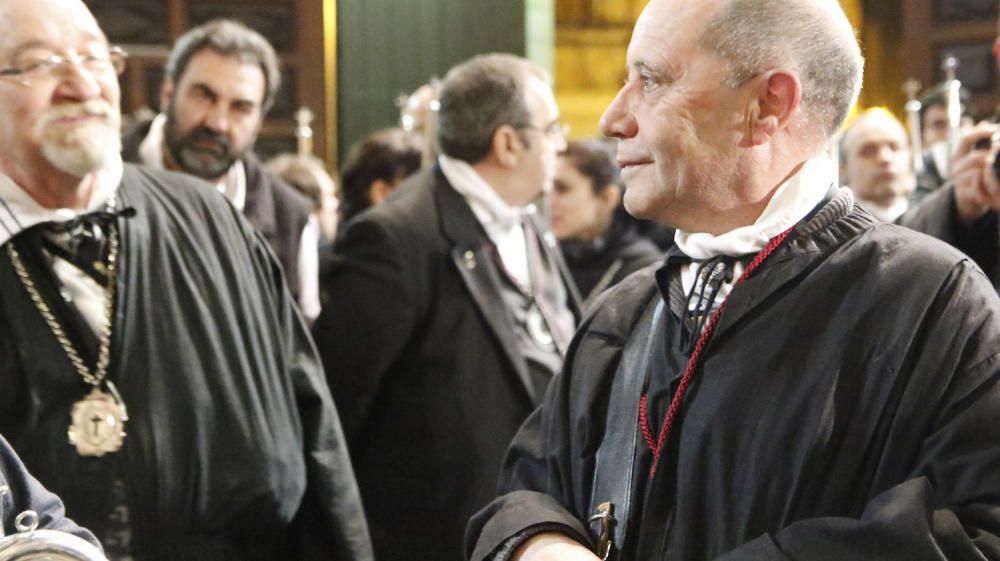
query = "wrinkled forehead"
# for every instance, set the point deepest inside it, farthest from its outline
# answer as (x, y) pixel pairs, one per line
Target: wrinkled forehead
(668, 30)
(59, 25)
(876, 129)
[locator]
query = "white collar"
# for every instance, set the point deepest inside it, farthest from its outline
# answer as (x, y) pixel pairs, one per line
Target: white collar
(18, 211)
(487, 205)
(151, 147)
(233, 185)
(792, 202)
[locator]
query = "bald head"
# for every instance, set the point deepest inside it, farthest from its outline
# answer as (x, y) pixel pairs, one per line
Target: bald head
(58, 123)
(812, 38)
(875, 155)
(34, 21)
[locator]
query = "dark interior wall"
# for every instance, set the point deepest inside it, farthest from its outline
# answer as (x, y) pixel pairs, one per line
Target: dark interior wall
(965, 29)
(147, 29)
(389, 47)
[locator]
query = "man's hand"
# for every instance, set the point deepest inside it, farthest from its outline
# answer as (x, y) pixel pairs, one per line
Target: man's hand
(976, 187)
(553, 546)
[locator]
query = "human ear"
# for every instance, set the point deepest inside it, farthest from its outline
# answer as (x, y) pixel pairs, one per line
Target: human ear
(166, 92)
(776, 97)
(506, 146)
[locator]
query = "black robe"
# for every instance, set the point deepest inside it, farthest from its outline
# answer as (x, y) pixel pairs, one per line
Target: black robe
(847, 408)
(275, 208)
(234, 450)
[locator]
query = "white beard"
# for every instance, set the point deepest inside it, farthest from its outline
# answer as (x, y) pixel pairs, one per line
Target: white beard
(83, 149)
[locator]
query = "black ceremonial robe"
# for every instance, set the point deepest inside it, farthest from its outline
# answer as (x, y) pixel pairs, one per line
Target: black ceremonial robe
(847, 408)
(234, 450)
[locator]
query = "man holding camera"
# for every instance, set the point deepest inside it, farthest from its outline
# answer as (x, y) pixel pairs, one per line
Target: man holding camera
(964, 212)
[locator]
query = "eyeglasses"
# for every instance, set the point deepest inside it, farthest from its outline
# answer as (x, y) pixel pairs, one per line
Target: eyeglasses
(556, 129)
(51, 66)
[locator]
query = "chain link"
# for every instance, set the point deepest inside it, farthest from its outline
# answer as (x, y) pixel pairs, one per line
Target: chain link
(97, 377)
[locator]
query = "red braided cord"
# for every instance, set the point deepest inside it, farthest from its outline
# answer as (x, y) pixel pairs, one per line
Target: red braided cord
(644, 423)
(675, 403)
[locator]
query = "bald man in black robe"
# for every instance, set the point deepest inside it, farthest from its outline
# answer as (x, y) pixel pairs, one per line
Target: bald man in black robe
(797, 381)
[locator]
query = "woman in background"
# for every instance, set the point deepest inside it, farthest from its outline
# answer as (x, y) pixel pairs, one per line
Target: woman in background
(599, 240)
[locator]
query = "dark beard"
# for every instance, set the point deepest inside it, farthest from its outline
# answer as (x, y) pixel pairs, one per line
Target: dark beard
(194, 159)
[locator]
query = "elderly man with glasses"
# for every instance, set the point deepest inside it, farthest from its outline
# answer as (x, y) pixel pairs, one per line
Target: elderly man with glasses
(155, 371)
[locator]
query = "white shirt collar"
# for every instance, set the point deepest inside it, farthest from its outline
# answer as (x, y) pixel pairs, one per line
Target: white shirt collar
(792, 202)
(501, 221)
(18, 211)
(233, 184)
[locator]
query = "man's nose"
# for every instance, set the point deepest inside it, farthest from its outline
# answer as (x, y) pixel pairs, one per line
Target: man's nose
(617, 120)
(217, 118)
(885, 154)
(77, 82)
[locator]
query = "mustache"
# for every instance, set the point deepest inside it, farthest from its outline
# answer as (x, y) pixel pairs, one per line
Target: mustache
(90, 108)
(207, 134)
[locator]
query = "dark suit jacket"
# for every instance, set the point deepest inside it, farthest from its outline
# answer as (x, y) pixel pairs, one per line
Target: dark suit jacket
(423, 365)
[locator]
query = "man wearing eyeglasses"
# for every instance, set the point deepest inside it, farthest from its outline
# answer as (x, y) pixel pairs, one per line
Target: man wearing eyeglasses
(447, 311)
(154, 370)
(220, 81)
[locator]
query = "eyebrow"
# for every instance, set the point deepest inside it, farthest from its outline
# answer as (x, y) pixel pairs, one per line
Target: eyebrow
(670, 71)
(205, 87)
(27, 45)
(41, 43)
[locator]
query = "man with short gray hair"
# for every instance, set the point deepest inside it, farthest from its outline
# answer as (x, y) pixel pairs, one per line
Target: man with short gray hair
(220, 81)
(797, 381)
(447, 311)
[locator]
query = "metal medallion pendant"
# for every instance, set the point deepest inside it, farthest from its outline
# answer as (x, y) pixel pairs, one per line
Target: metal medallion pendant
(538, 329)
(97, 424)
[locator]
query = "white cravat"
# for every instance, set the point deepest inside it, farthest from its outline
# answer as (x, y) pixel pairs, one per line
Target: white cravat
(501, 221)
(792, 202)
(18, 211)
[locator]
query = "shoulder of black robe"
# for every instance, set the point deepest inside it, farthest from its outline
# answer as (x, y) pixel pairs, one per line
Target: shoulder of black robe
(909, 328)
(232, 435)
(26, 493)
(330, 519)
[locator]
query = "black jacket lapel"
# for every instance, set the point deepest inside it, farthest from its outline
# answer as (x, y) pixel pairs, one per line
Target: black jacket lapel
(472, 253)
(550, 246)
